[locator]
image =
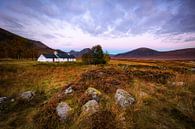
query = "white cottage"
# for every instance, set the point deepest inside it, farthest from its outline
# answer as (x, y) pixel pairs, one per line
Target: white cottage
(56, 57)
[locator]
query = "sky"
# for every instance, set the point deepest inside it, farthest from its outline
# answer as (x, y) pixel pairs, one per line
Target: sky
(117, 25)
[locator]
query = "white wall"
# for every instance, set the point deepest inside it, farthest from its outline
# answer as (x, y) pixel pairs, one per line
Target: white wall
(44, 59)
(62, 59)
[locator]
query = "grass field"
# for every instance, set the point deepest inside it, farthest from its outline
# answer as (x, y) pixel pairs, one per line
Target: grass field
(164, 93)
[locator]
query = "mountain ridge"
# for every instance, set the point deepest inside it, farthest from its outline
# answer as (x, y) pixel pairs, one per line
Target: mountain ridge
(147, 53)
(79, 53)
(16, 46)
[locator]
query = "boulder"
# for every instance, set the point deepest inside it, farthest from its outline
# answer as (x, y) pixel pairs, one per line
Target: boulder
(123, 98)
(94, 93)
(178, 83)
(28, 95)
(12, 100)
(63, 110)
(69, 90)
(193, 69)
(2, 99)
(90, 107)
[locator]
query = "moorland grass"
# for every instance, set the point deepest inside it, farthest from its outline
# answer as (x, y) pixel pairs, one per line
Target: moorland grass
(159, 103)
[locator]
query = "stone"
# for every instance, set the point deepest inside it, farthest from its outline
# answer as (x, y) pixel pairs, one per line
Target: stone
(28, 95)
(63, 110)
(123, 98)
(192, 69)
(2, 99)
(69, 90)
(101, 73)
(12, 100)
(178, 83)
(90, 107)
(94, 93)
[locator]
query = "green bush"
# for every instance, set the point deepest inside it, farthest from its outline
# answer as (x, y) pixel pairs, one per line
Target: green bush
(95, 56)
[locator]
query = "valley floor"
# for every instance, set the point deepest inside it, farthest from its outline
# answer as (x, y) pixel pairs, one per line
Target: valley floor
(164, 93)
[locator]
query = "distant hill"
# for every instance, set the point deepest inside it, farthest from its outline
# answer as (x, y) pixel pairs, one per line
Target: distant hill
(140, 52)
(79, 53)
(147, 53)
(15, 46)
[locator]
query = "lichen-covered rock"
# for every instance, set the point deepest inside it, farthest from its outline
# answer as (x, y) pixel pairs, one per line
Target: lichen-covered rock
(94, 93)
(90, 107)
(69, 90)
(123, 98)
(63, 110)
(28, 95)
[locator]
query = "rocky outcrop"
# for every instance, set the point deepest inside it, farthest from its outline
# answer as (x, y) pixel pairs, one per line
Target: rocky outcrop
(123, 98)
(28, 95)
(69, 90)
(90, 107)
(2, 99)
(63, 110)
(94, 93)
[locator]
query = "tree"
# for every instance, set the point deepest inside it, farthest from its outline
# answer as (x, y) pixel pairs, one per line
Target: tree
(95, 56)
(87, 58)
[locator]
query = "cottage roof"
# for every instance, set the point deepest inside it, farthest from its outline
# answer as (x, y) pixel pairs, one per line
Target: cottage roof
(62, 55)
(71, 56)
(59, 55)
(49, 55)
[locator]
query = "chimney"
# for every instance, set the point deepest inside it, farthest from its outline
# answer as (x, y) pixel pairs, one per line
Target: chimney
(55, 52)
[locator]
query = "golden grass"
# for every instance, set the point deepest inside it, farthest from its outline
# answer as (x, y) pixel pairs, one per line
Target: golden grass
(21, 75)
(158, 105)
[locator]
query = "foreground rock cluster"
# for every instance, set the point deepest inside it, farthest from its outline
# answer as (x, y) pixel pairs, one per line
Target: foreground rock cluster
(122, 98)
(5, 102)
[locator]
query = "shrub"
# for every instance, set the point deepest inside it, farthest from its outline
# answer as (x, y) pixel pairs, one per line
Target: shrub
(95, 56)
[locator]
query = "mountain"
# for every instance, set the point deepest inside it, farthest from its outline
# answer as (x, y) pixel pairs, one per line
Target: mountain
(79, 53)
(138, 53)
(147, 53)
(15, 46)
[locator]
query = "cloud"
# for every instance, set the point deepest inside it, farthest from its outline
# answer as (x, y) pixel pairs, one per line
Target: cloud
(49, 36)
(125, 17)
(83, 23)
(190, 39)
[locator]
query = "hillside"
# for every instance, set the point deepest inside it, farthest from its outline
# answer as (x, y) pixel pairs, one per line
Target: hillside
(147, 53)
(15, 46)
(79, 53)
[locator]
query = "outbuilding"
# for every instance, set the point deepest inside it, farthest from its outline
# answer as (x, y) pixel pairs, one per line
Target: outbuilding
(56, 57)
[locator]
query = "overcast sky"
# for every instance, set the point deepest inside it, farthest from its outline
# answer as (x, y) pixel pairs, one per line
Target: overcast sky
(117, 25)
